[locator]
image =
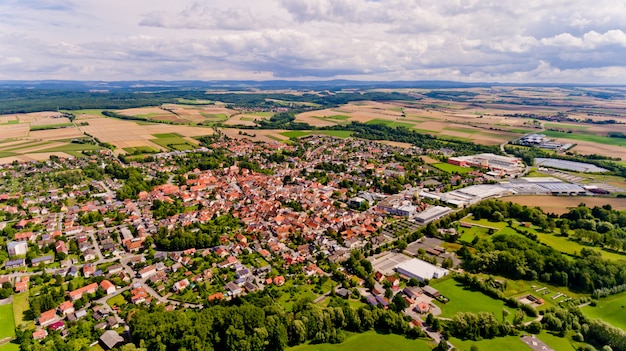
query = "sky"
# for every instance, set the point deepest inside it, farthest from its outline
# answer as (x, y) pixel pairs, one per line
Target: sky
(529, 41)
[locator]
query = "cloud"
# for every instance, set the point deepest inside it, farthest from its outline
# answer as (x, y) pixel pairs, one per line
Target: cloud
(469, 40)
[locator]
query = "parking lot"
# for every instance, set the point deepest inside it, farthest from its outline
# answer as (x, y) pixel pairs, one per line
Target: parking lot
(385, 263)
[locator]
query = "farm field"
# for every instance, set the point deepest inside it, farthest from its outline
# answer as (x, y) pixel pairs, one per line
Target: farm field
(370, 341)
(335, 133)
(562, 204)
(610, 309)
(568, 246)
(586, 137)
(10, 347)
(465, 300)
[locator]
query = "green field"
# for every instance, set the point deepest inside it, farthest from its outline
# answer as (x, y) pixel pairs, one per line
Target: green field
(484, 222)
(193, 102)
(370, 341)
(173, 141)
(572, 247)
(71, 147)
(586, 137)
(461, 130)
(465, 300)
(566, 126)
(426, 131)
(508, 343)
(167, 135)
(25, 145)
(390, 123)
(448, 168)
(10, 347)
(301, 133)
(7, 323)
(7, 154)
(610, 309)
(338, 117)
(219, 116)
(11, 121)
(140, 149)
(468, 234)
(20, 305)
(94, 112)
(51, 126)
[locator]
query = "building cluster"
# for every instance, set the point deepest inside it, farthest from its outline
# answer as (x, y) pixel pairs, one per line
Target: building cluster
(496, 164)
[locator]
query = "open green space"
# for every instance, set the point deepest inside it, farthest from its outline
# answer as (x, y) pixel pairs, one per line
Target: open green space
(291, 292)
(145, 123)
(301, 133)
(610, 309)
(390, 123)
(484, 222)
(11, 121)
(219, 116)
(466, 300)
(117, 300)
(509, 343)
(370, 341)
(586, 137)
(7, 323)
(261, 114)
(573, 247)
(446, 167)
(7, 154)
(10, 347)
(558, 343)
(468, 234)
(20, 305)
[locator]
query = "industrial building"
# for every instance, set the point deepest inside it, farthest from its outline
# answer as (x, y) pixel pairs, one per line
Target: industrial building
(505, 164)
(432, 213)
(420, 270)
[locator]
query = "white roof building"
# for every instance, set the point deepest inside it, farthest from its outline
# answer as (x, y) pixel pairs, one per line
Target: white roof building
(421, 270)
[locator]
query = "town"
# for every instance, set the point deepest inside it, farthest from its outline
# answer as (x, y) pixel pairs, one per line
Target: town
(88, 237)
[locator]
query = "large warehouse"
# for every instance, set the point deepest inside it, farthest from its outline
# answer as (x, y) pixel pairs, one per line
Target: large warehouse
(421, 270)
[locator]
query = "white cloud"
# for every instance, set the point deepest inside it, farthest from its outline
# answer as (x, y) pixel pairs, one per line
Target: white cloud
(470, 40)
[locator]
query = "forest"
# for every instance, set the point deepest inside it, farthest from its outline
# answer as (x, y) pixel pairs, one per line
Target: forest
(257, 324)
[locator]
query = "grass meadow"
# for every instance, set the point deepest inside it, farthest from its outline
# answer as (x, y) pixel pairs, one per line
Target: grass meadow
(370, 341)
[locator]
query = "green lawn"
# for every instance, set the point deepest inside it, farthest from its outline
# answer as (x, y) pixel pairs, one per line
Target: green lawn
(468, 234)
(291, 293)
(116, 300)
(10, 347)
(465, 300)
(20, 305)
(390, 123)
(7, 323)
(572, 247)
(508, 343)
(556, 342)
(295, 134)
(370, 341)
(446, 167)
(610, 309)
(497, 225)
(586, 137)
